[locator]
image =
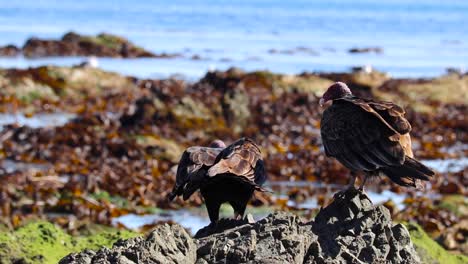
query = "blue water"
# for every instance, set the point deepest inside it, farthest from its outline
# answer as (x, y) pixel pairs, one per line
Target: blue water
(419, 38)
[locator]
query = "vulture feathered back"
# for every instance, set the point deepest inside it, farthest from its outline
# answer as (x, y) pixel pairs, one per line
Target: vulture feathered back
(233, 176)
(369, 136)
(192, 168)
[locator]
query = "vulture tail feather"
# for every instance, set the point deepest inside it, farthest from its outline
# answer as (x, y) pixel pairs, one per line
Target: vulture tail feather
(416, 165)
(407, 173)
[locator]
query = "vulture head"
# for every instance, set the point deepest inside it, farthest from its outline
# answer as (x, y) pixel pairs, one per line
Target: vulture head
(335, 91)
(217, 144)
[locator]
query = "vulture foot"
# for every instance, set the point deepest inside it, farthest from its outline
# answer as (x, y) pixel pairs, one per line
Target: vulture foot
(341, 195)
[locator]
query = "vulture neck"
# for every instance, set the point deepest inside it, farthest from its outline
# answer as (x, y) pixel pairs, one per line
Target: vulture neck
(346, 96)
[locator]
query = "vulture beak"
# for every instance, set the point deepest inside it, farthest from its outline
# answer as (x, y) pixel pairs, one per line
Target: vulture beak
(321, 102)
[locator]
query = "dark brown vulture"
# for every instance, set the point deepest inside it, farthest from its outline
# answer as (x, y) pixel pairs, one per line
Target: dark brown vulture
(232, 177)
(369, 136)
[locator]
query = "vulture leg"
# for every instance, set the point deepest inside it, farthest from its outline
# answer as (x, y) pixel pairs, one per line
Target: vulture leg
(361, 187)
(239, 209)
(340, 195)
(352, 180)
(213, 210)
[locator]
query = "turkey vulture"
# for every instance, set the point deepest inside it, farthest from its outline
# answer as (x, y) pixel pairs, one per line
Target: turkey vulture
(232, 177)
(369, 136)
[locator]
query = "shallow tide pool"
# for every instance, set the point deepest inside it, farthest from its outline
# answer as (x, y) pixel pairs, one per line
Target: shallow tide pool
(35, 121)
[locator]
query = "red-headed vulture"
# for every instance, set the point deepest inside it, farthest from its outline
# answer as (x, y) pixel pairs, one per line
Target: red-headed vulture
(368, 136)
(232, 177)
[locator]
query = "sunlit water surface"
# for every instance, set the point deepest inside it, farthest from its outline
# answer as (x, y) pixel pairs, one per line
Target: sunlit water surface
(419, 38)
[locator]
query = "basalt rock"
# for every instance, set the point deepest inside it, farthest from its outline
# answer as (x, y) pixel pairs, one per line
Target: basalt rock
(165, 244)
(353, 230)
(350, 230)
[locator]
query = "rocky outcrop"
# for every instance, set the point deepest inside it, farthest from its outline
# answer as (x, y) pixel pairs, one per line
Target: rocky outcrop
(73, 44)
(279, 238)
(350, 230)
(9, 51)
(353, 230)
(377, 50)
(165, 244)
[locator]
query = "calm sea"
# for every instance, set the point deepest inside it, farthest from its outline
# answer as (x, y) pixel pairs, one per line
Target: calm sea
(419, 38)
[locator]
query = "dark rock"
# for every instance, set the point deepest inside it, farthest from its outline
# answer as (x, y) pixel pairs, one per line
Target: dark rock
(165, 244)
(222, 225)
(377, 50)
(350, 230)
(73, 44)
(196, 57)
(454, 70)
(9, 51)
(279, 238)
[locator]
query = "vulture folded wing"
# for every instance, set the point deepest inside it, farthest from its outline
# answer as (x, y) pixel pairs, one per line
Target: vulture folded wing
(203, 155)
(389, 113)
(358, 138)
(192, 160)
(260, 173)
(239, 159)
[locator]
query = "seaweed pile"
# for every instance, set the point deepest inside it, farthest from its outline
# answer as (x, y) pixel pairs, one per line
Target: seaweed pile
(119, 154)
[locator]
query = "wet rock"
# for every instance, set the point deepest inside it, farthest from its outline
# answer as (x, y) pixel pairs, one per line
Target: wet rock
(73, 44)
(455, 70)
(294, 51)
(350, 230)
(165, 244)
(9, 51)
(376, 50)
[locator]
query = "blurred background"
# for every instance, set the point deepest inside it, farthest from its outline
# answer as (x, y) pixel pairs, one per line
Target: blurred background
(98, 99)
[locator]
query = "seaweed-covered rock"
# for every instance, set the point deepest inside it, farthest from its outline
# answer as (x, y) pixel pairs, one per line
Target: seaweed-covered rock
(73, 44)
(349, 230)
(9, 51)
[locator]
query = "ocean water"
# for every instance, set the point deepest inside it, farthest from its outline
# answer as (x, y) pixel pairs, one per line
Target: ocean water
(419, 38)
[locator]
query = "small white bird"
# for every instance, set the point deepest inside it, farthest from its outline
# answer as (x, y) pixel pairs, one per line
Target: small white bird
(91, 62)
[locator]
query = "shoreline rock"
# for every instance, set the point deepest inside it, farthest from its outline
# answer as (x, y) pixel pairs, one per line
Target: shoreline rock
(350, 230)
(376, 50)
(73, 44)
(9, 51)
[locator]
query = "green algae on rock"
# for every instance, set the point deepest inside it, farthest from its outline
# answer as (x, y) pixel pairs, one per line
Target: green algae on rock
(43, 242)
(429, 251)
